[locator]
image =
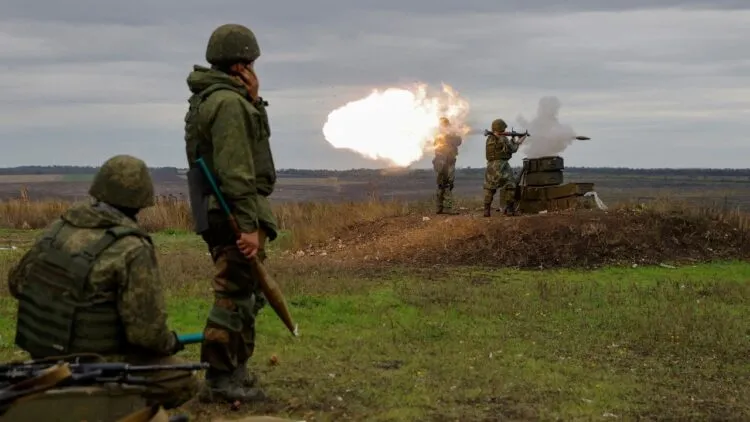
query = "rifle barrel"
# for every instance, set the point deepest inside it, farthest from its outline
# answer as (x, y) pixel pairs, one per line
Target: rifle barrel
(25, 371)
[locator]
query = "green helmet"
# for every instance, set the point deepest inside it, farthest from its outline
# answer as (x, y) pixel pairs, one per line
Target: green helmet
(124, 181)
(498, 125)
(232, 43)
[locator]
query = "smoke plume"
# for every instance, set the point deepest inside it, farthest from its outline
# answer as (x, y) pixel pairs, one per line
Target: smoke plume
(547, 135)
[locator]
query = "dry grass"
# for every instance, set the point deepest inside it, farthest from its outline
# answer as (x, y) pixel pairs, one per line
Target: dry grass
(307, 221)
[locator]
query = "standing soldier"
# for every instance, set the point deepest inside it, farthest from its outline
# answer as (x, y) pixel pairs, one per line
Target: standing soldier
(498, 174)
(91, 284)
(227, 125)
(446, 149)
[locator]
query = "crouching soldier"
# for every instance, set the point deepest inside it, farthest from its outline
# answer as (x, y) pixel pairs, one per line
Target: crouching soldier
(91, 284)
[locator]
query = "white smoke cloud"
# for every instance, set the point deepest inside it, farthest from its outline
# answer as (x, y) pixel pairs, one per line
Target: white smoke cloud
(547, 135)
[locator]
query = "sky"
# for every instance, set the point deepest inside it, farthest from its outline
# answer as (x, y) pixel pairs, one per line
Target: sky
(654, 83)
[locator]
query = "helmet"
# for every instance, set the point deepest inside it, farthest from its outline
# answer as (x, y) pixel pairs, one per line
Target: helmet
(124, 181)
(444, 121)
(498, 125)
(232, 43)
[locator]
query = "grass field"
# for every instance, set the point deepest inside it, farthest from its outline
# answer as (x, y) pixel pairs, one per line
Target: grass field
(438, 340)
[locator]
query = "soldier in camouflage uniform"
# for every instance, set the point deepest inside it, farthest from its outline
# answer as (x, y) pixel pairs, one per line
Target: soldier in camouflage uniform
(498, 174)
(446, 149)
(91, 284)
(227, 125)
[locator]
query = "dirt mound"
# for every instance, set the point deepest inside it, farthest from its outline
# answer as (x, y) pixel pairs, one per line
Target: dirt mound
(565, 239)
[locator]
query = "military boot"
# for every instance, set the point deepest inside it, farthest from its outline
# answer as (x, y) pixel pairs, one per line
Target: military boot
(510, 208)
(226, 387)
(243, 377)
(487, 210)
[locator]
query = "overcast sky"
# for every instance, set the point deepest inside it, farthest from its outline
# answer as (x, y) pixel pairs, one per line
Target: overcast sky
(656, 83)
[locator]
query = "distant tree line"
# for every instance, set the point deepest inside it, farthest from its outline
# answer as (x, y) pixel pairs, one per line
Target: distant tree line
(174, 173)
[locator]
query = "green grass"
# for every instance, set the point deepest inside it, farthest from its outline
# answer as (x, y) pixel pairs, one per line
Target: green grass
(77, 177)
(481, 344)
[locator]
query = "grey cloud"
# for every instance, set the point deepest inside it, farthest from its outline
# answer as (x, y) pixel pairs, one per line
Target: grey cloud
(73, 71)
(288, 12)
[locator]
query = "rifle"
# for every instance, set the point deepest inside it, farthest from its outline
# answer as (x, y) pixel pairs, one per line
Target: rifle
(270, 289)
(22, 379)
(512, 134)
(85, 372)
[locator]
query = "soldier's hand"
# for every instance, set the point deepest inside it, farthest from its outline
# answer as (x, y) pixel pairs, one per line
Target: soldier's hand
(248, 243)
(251, 81)
(178, 345)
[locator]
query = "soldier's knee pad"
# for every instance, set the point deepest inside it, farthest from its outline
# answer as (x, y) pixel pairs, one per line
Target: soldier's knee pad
(234, 319)
(227, 319)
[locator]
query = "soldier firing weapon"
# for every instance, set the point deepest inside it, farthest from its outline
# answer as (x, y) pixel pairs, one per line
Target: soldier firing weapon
(512, 134)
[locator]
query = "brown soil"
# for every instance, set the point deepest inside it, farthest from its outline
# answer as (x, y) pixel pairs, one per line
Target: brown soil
(564, 239)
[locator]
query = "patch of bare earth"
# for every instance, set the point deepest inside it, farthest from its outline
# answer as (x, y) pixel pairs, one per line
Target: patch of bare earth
(563, 239)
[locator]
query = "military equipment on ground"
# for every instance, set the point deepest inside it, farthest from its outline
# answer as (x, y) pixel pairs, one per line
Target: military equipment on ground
(540, 187)
(91, 391)
(270, 289)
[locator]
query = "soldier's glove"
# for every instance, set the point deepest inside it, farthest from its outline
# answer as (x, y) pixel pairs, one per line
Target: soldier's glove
(178, 346)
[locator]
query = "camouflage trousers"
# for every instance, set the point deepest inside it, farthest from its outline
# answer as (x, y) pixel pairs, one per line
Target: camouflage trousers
(229, 334)
(445, 168)
(498, 175)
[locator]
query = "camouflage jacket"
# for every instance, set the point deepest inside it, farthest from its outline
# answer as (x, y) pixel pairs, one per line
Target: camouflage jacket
(126, 272)
(232, 134)
(446, 145)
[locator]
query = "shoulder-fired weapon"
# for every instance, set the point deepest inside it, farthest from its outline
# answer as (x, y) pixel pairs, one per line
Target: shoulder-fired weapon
(270, 289)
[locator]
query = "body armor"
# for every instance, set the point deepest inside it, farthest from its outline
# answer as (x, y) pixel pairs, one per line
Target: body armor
(58, 313)
(497, 148)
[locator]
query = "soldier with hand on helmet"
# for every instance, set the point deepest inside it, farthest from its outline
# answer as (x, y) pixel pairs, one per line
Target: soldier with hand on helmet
(91, 284)
(498, 173)
(227, 126)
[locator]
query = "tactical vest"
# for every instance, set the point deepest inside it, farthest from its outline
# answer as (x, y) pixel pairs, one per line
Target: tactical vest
(197, 147)
(496, 149)
(57, 314)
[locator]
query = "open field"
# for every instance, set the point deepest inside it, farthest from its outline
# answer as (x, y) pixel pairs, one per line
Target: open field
(639, 312)
(725, 188)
